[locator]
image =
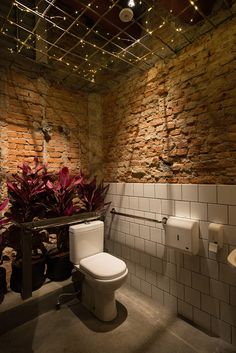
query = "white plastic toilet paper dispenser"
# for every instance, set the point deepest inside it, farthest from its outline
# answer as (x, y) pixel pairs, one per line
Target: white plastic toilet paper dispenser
(215, 236)
(182, 234)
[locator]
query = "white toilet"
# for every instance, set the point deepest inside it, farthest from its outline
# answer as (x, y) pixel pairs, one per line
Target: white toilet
(103, 272)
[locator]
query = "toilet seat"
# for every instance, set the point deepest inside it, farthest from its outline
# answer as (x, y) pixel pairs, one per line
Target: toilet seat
(103, 266)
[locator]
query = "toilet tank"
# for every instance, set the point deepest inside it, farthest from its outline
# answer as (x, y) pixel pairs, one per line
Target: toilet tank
(86, 239)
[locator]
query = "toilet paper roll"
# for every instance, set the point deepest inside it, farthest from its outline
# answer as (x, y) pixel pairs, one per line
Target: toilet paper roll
(213, 247)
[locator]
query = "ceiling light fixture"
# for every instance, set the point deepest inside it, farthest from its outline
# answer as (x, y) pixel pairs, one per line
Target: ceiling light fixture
(126, 14)
(131, 3)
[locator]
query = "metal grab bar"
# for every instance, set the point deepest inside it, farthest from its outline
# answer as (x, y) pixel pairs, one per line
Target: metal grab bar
(163, 221)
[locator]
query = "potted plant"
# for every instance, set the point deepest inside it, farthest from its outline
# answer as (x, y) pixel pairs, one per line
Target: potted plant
(27, 192)
(61, 202)
(3, 221)
(92, 195)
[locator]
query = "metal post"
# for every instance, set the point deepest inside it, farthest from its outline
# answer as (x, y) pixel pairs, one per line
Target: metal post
(26, 237)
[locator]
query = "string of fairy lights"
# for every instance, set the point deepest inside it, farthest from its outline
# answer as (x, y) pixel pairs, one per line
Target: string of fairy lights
(97, 54)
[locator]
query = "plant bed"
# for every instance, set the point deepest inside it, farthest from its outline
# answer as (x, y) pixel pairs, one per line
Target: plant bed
(3, 284)
(38, 273)
(59, 267)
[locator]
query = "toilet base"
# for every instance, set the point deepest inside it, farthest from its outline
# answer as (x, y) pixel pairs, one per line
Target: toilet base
(101, 303)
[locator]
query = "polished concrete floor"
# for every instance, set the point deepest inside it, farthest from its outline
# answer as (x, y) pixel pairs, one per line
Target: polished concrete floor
(142, 326)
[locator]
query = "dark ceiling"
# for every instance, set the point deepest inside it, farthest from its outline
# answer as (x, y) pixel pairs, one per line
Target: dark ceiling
(87, 44)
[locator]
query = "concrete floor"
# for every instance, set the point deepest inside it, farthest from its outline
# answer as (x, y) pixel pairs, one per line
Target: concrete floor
(142, 326)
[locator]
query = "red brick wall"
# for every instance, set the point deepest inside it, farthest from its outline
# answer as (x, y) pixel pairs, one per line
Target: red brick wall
(176, 123)
(27, 101)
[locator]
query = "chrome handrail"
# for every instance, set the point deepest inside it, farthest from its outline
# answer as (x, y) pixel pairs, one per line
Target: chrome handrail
(163, 221)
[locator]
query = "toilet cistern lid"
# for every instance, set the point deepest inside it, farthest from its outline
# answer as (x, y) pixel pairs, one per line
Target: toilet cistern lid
(103, 266)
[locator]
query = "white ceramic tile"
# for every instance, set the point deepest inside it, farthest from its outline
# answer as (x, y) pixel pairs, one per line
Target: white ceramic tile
(219, 290)
(227, 274)
(201, 283)
(133, 202)
(169, 270)
(234, 336)
(134, 229)
(232, 215)
(185, 309)
(135, 282)
(150, 215)
(227, 194)
(228, 313)
(192, 263)
(124, 226)
(161, 191)
(202, 319)
(156, 265)
(125, 252)
(207, 193)
(143, 204)
(221, 329)
(145, 260)
(160, 251)
(131, 266)
(157, 295)
(125, 202)
(129, 189)
(129, 240)
(155, 205)
(198, 211)
(140, 271)
(167, 207)
(210, 305)
(149, 190)
(170, 302)
(190, 192)
(210, 268)
(116, 201)
(146, 288)
(112, 188)
(120, 238)
(233, 295)
(135, 256)
(163, 282)
(182, 209)
(217, 213)
(184, 276)
(176, 289)
(192, 296)
(117, 249)
(155, 234)
(150, 247)
(138, 189)
(174, 192)
(151, 277)
(120, 189)
(139, 214)
(230, 235)
(144, 232)
(139, 244)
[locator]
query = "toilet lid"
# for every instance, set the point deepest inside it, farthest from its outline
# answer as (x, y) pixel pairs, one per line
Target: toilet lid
(103, 266)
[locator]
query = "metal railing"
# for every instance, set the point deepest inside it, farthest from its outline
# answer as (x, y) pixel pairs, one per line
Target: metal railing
(163, 221)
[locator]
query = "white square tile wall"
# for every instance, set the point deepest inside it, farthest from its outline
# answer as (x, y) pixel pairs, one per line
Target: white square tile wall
(203, 287)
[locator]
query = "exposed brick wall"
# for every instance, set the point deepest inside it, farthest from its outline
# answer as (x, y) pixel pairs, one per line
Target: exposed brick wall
(28, 102)
(176, 122)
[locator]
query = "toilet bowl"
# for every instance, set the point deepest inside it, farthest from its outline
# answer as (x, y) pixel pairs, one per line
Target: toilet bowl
(103, 273)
